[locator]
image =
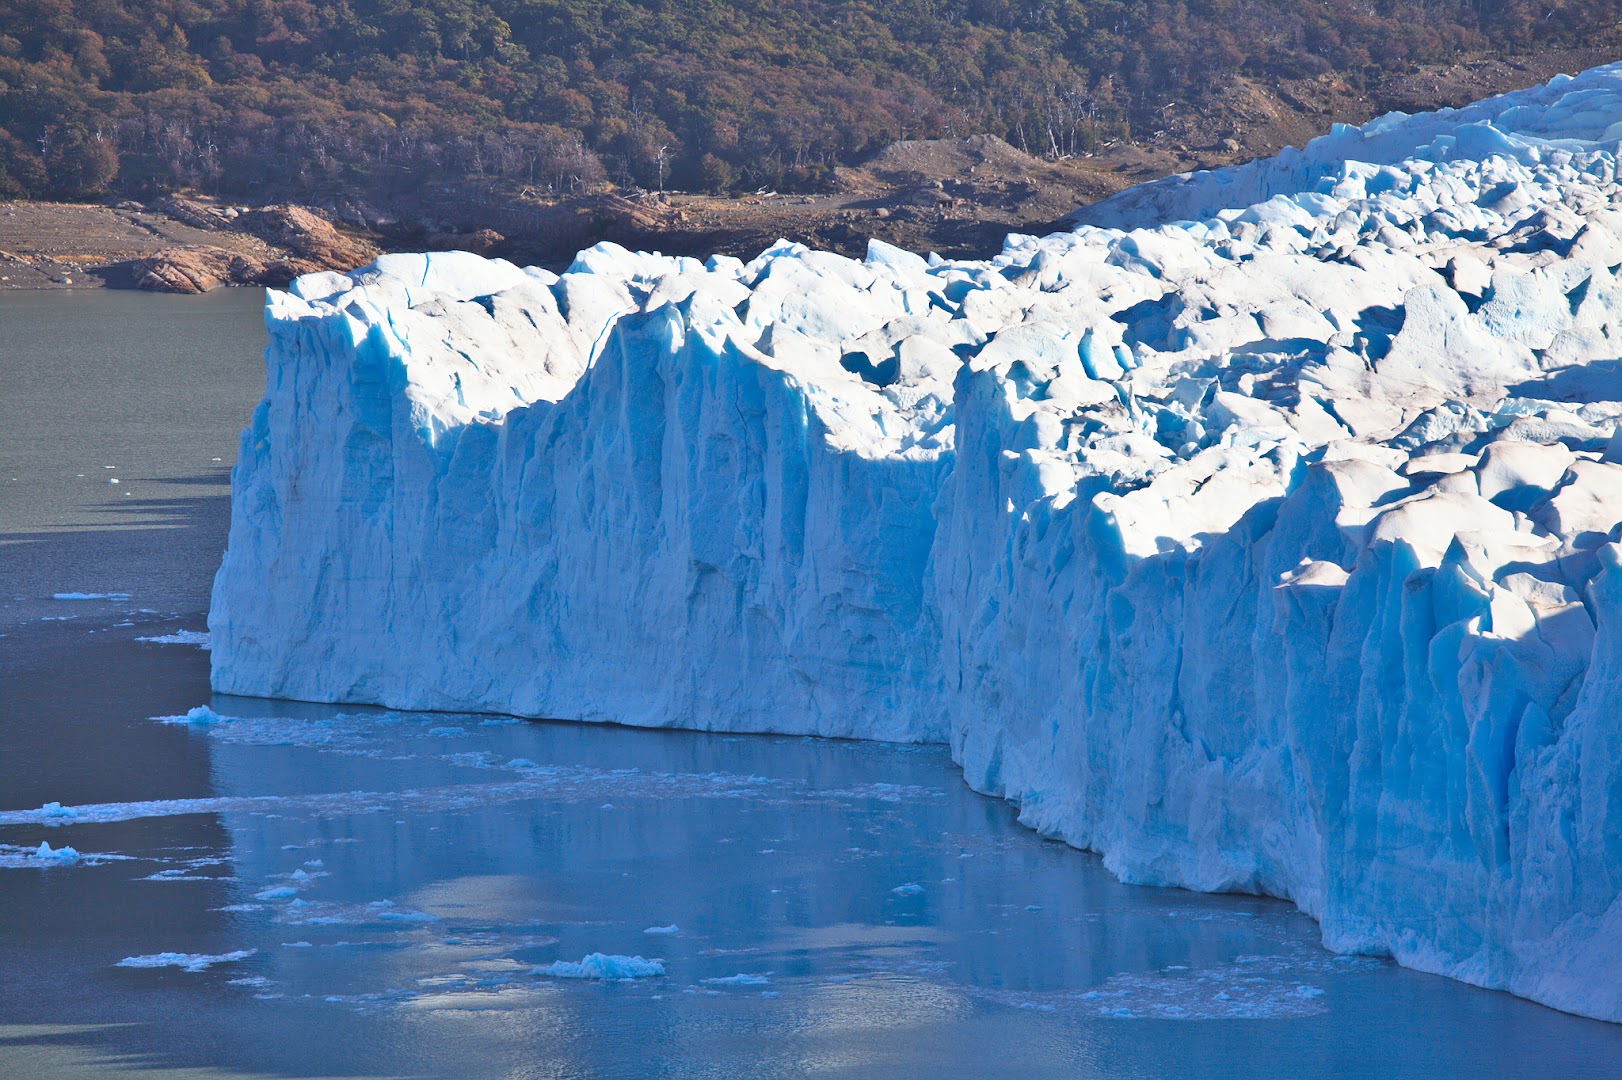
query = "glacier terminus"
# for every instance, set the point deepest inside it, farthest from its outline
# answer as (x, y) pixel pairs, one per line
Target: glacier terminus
(1260, 534)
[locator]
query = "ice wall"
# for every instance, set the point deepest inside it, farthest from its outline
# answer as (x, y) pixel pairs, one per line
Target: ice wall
(1269, 545)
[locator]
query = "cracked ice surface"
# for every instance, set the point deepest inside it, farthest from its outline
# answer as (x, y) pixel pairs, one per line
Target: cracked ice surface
(1263, 540)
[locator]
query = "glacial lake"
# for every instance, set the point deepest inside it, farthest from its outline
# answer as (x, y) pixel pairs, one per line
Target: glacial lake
(284, 889)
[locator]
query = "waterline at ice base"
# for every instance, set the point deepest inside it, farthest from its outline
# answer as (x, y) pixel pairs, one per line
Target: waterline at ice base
(1261, 536)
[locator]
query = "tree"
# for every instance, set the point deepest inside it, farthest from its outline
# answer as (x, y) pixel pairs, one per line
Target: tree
(22, 171)
(79, 163)
(714, 175)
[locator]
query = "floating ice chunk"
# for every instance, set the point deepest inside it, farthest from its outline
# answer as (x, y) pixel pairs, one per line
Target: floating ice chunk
(671, 929)
(46, 852)
(276, 892)
(91, 595)
(602, 966)
(740, 979)
(200, 714)
(54, 813)
(197, 638)
(908, 889)
(184, 961)
(44, 855)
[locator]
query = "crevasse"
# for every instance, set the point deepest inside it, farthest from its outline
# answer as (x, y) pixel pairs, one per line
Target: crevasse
(1261, 535)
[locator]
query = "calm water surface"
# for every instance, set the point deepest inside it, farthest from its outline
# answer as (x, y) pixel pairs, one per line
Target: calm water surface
(353, 892)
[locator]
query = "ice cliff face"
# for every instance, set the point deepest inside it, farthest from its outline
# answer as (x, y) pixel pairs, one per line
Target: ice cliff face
(1263, 540)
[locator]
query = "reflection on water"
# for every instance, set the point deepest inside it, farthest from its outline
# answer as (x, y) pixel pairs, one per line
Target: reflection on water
(362, 892)
(273, 888)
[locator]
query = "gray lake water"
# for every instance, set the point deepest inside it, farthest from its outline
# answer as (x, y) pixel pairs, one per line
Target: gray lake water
(353, 892)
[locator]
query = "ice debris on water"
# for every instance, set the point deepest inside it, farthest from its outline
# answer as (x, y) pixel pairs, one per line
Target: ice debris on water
(671, 929)
(201, 714)
(44, 856)
(602, 966)
(184, 961)
(198, 638)
(91, 595)
(1260, 534)
(276, 892)
(54, 813)
(740, 979)
(45, 852)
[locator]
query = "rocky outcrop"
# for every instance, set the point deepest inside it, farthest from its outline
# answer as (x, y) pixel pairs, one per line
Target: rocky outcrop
(312, 242)
(196, 269)
(300, 241)
(198, 215)
(480, 242)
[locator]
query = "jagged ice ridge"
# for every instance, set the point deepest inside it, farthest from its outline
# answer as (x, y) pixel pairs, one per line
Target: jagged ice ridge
(1261, 536)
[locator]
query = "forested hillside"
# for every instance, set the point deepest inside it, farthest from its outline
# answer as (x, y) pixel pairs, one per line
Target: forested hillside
(295, 99)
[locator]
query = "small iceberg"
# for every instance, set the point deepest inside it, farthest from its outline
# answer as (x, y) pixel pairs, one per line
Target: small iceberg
(202, 714)
(198, 638)
(602, 966)
(184, 961)
(45, 852)
(54, 813)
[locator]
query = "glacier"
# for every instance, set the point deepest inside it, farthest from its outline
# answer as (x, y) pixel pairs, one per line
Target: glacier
(1260, 534)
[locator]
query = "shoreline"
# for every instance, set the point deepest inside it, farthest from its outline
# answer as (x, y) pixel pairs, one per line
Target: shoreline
(174, 245)
(956, 197)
